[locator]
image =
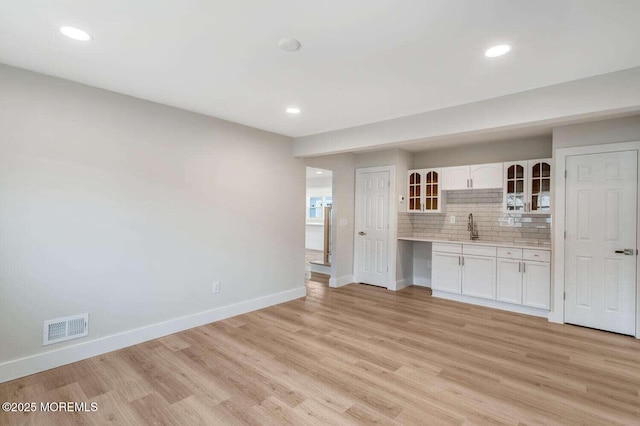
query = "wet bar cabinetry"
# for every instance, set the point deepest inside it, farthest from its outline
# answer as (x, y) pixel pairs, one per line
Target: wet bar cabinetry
(511, 278)
(527, 186)
(424, 191)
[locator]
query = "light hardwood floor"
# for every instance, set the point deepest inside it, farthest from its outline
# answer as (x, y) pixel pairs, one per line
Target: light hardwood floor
(358, 354)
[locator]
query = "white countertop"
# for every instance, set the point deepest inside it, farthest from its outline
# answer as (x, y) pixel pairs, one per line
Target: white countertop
(536, 246)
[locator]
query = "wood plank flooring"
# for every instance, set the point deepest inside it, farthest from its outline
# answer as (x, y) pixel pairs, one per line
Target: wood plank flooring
(353, 355)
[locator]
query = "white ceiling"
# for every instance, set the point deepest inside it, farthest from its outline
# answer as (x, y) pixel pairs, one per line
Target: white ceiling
(362, 61)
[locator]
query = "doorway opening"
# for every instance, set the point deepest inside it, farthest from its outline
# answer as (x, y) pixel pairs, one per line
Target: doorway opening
(318, 223)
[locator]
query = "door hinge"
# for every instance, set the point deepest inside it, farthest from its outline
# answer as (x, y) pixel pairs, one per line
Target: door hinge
(565, 174)
(565, 235)
(564, 296)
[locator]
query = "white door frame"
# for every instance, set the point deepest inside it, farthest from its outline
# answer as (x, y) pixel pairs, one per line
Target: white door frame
(393, 228)
(556, 314)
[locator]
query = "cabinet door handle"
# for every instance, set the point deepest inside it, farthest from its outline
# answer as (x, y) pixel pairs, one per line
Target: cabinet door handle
(519, 266)
(524, 267)
(467, 183)
(471, 183)
(459, 261)
(462, 260)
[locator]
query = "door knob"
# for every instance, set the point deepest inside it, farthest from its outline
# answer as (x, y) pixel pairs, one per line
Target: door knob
(362, 233)
(628, 252)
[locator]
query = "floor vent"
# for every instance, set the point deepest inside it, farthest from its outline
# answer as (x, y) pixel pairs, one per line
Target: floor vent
(61, 329)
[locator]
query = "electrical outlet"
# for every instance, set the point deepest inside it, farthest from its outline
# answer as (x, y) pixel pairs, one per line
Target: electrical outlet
(452, 219)
(216, 287)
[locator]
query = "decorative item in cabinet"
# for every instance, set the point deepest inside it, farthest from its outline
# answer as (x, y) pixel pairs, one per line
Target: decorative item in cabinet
(527, 187)
(540, 190)
(514, 188)
(425, 191)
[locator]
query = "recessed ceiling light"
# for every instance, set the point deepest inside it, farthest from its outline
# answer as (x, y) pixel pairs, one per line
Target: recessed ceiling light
(318, 172)
(290, 44)
(75, 33)
(497, 51)
(293, 110)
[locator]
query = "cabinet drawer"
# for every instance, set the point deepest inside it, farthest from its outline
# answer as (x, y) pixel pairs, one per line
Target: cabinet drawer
(536, 255)
(448, 248)
(479, 250)
(510, 253)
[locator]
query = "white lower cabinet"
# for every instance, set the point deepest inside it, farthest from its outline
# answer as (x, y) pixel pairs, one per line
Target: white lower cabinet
(536, 279)
(446, 272)
(508, 277)
(509, 281)
(454, 271)
(479, 276)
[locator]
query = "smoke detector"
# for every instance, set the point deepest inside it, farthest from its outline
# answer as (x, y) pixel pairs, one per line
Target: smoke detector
(289, 44)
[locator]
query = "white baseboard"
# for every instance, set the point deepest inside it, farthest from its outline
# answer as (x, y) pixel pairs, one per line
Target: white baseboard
(339, 282)
(33, 364)
(543, 313)
(422, 281)
(404, 283)
(321, 269)
(555, 317)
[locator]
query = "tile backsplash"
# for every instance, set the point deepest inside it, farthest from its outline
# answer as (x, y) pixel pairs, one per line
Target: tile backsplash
(492, 224)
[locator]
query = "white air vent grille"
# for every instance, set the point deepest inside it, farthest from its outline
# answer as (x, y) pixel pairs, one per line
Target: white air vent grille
(61, 329)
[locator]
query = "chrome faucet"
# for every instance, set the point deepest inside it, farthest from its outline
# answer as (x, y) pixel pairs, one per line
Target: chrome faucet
(473, 232)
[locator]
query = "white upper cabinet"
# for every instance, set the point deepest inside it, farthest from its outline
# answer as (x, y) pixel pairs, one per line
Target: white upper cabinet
(539, 186)
(485, 176)
(479, 176)
(455, 178)
(415, 195)
(515, 184)
(424, 191)
(527, 186)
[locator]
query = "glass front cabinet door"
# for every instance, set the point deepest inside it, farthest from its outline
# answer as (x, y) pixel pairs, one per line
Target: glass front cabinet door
(539, 186)
(527, 186)
(514, 186)
(415, 197)
(424, 191)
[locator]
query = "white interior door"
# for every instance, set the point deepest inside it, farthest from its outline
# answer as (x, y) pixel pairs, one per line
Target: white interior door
(600, 246)
(372, 226)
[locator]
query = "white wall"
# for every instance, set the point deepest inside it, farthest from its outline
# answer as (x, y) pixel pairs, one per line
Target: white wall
(584, 99)
(597, 132)
(129, 210)
(489, 152)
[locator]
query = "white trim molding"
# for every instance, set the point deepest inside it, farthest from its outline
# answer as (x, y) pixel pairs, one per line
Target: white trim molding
(400, 284)
(36, 363)
(340, 281)
(558, 284)
(520, 309)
